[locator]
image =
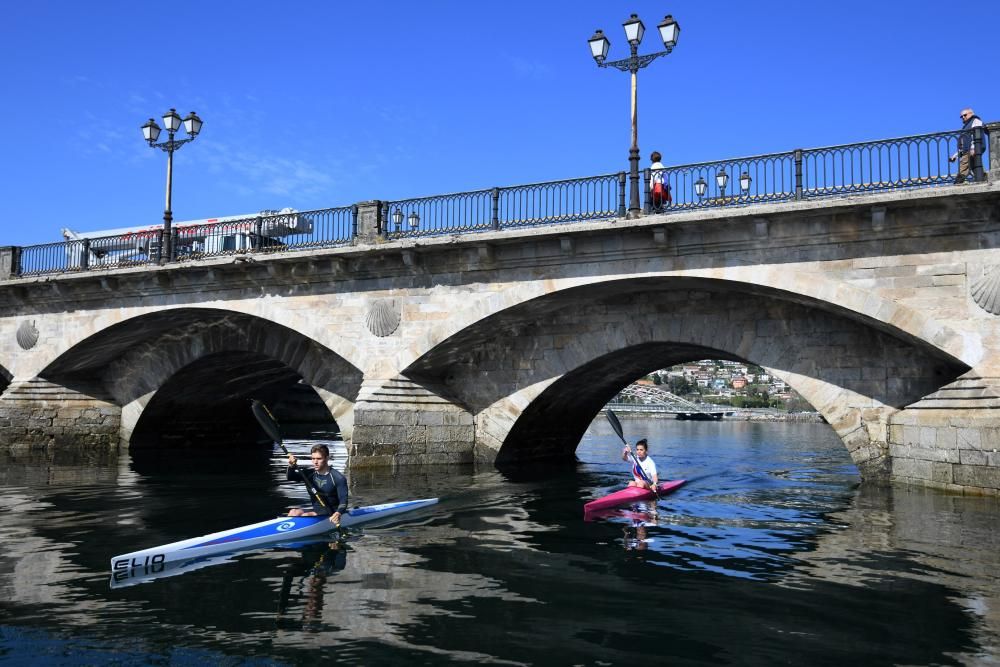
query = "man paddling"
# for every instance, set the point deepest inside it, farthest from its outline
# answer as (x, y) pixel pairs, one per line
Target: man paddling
(330, 483)
(646, 463)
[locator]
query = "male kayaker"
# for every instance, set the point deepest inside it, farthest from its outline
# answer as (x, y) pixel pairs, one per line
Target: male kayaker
(330, 483)
(647, 464)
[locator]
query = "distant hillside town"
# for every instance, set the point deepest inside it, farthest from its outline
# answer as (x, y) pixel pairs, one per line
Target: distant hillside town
(728, 383)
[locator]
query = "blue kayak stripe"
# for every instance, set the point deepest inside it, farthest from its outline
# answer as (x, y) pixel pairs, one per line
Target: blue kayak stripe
(361, 511)
(289, 524)
(273, 528)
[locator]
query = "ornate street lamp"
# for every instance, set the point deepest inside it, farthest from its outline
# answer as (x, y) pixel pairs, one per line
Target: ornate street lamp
(745, 182)
(634, 29)
(722, 179)
(414, 220)
(397, 220)
(151, 132)
(700, 186)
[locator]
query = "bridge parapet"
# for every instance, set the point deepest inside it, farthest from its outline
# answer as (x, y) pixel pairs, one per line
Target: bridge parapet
(918, 161)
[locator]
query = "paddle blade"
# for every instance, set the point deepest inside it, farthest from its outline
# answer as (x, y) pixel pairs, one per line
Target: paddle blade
(615, 424)
(266, 420)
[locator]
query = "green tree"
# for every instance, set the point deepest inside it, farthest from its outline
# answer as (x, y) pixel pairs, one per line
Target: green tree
(679, 386)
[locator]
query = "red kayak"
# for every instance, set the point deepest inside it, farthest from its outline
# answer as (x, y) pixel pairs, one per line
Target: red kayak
(631, 494)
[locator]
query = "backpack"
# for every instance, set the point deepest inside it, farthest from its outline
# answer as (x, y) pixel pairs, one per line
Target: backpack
(660, 194)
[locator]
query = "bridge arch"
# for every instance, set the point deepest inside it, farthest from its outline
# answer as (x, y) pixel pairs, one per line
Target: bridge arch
(534, 375)
(781, 282)
(182, 361)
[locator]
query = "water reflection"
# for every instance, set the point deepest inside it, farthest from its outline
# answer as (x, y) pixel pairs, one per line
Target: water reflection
(770, 554)
(309, 576)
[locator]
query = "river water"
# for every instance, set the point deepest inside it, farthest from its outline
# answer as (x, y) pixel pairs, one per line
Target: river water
(771, 554)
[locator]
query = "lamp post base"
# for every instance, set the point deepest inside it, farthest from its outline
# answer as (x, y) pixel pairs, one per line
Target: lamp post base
(166, 236)
(634, 208)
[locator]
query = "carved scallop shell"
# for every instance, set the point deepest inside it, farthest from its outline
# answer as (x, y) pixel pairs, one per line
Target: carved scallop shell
(383, 317)
(27, 335)
(986, 291)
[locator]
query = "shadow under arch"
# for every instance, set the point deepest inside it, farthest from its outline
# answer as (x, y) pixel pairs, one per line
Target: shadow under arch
(5, 378)
(205, 405)
(196, 368)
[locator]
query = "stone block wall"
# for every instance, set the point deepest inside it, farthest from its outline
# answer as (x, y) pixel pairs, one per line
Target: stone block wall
(401, 423)
(39, 414)
(950, 439)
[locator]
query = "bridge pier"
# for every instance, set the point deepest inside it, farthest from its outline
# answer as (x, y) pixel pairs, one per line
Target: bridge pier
(951, 438)
(40, 414)
(399, 422)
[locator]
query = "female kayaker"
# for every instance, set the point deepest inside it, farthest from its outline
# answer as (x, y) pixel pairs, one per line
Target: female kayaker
(647, 464)
(330, 483)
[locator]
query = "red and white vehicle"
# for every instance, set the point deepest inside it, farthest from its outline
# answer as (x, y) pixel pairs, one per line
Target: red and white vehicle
(211, 236)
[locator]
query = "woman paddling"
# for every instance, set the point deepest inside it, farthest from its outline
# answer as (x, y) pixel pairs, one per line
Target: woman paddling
(330, 483)
(646, 463)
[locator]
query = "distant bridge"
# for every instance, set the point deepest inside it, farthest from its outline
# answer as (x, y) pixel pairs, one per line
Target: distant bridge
(652, 399)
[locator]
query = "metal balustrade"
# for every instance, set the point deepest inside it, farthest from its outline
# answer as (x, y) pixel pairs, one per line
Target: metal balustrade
(571, 200)
(903, 162)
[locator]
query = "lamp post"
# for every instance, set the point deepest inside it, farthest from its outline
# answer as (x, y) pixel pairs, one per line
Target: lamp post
(700, 186)
(721, 180)
(151, 132)
(669, 32)
(413, 219)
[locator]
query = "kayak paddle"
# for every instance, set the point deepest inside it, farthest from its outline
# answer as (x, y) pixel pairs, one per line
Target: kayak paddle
(617, 426)
(270, 426)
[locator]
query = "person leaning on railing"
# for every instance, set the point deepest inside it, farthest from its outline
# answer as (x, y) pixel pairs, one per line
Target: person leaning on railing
(966, 145)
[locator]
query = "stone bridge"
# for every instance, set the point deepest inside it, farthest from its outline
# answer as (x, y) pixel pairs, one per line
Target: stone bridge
(880, 309)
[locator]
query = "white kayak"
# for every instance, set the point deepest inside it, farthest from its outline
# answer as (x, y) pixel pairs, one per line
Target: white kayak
(144, 575)
(282, 529)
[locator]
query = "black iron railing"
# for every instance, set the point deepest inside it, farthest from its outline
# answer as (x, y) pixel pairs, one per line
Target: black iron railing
(576, 199)
(905, 162)
(270, 231)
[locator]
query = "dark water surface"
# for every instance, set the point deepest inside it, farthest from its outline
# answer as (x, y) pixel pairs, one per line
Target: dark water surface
(772, 554)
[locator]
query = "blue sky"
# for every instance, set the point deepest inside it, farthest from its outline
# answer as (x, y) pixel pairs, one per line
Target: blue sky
(312, 104)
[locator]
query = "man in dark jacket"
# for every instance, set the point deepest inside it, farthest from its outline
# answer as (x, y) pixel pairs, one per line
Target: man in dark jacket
(968, 146)
(331, 485)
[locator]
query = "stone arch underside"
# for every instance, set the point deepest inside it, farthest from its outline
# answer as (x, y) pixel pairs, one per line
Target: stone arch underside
(534, 376)
(187, 375)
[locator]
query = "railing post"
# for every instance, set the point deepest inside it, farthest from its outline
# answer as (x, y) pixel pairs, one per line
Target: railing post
(798, 173)
(354, 222)
(495, 216)
(258, 233)
(647, 201)
(369, 221)
(994, 147)
(621, 194)
(9, 260)
(173, 245)
(85, 255)
(977, 155)
(159, 246)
